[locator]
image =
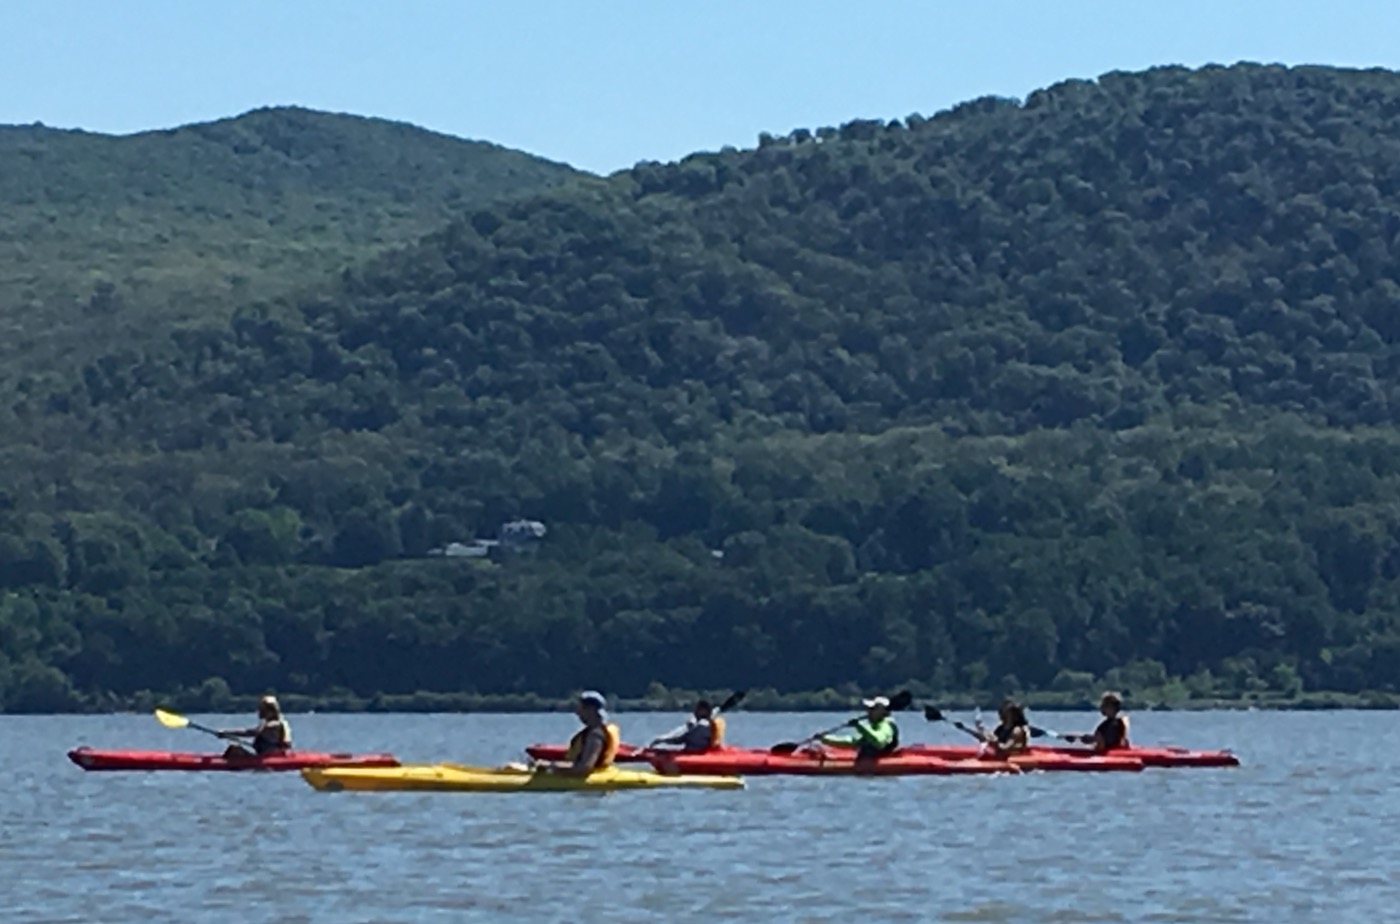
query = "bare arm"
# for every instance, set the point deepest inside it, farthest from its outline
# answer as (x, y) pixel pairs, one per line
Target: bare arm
(674, 736)
(587, 759)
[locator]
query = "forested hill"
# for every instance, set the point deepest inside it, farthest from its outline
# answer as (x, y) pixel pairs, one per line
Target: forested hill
(1095, 387)
(175, 224)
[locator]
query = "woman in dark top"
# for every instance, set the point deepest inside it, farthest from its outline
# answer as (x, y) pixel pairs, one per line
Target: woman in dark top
(1012, 735)
(1112, 732)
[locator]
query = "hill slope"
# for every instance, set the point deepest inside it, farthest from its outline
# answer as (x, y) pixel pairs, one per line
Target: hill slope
(183, 223)
(1011, 397)
(1103, 253)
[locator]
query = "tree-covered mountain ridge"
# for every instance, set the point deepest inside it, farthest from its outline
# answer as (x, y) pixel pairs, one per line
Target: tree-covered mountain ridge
(1013, 397)
(1102, 252)
(105, 234)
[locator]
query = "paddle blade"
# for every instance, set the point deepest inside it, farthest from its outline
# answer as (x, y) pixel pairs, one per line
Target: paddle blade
(963, 728)
(734, 699)
(171, 719)
(901, 700)
(933, 714)
(785, 747)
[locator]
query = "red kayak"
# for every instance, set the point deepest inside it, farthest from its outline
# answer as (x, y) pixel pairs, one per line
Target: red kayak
(1148, 756)
(93, 759)
(742, 762)
(739, 762)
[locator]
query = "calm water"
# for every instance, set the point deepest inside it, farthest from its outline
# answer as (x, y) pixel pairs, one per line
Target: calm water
(1305, 831)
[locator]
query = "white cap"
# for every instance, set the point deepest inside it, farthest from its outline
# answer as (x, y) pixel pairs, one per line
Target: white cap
(270, 700)
(878, 702)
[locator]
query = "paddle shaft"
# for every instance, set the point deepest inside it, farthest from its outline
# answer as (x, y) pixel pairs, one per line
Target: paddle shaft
(187, 723)
(208, 731)
(899, 702)
(933, 715)
(788, 747)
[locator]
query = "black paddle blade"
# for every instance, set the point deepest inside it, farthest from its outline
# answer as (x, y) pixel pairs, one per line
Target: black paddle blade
(734, 699)
(901, 700)
(933, 714)
(785, 747)
(971, 731)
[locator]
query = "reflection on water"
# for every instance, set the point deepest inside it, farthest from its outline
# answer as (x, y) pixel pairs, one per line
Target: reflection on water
(1305, 831)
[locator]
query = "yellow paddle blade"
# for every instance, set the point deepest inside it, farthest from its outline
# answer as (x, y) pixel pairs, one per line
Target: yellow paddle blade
(171, 719)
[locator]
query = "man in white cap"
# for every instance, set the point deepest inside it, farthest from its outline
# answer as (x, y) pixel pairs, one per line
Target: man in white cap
(873, 736)
(595, 745)
(272, 734)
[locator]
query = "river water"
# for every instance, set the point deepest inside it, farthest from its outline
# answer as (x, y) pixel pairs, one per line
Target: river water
(1305, 831)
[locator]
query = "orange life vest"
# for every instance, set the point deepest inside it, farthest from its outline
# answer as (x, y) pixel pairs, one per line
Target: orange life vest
(612, 739)
(717, 732)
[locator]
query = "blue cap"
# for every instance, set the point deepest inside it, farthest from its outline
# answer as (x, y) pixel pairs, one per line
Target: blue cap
(593, 698)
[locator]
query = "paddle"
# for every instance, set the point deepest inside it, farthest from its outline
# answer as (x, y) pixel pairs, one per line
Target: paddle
(898, 702)
(175, 720)
(1038, 732)
(734, 699)
(933, 714)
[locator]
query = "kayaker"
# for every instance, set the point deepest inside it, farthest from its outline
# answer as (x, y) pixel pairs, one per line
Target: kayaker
(595, 745)
(272, 734)
(873, 736)
(1112, 732)
(704, 731)
(1012, 733)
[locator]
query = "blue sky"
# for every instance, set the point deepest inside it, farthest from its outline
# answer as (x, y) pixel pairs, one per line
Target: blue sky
(607, 83)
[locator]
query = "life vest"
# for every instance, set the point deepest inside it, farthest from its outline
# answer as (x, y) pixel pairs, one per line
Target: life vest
(716, 731)
(610, 745)
(276, 736)
(1113, 732)
(612, 740)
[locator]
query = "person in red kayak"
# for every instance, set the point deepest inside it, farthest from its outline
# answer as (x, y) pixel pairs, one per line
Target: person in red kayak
(704, 731)
(874, 736)
(272, 734)
(595, 745)
(1012, 734)
(1112, 733)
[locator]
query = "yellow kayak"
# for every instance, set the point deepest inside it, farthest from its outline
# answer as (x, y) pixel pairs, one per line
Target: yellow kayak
(456, 778)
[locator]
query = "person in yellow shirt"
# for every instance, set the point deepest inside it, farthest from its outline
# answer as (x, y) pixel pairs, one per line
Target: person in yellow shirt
(874, 736)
